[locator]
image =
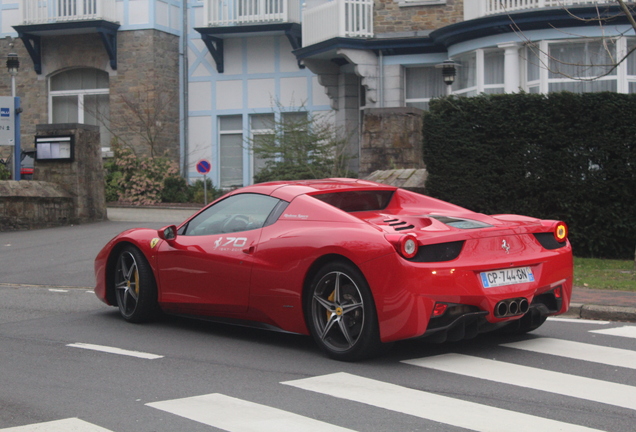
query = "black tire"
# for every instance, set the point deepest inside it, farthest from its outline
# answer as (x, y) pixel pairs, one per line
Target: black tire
(135, 287)
(340, 313)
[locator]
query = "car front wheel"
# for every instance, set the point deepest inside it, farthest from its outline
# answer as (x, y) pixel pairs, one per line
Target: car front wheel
(135, 287)
(341, 313)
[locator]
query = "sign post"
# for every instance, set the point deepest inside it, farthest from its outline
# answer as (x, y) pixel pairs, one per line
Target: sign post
(9, 130)
(203, 167)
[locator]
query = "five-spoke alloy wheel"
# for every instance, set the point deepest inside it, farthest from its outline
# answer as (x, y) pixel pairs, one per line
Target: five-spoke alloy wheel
(135, 288)
(341, 313)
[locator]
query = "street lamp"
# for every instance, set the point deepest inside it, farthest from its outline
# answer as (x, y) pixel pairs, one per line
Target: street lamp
(13, 65)
(449, 70)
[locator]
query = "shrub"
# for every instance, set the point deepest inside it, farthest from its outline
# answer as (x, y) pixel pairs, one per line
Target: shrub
(559, 156)
(142, 181)
(5, 174)
(197, 191)
(300, 146)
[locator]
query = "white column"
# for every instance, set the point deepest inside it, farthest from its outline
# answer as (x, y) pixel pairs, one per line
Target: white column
(511, 66)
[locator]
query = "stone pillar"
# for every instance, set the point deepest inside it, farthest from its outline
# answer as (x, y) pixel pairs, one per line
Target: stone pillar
(83, 176)
(391, 139)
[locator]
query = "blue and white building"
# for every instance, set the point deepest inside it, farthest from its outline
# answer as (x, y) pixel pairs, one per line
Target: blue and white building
(227, 66)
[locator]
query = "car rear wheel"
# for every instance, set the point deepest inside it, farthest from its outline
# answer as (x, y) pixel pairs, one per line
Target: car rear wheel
(135, 287)
(341, 313)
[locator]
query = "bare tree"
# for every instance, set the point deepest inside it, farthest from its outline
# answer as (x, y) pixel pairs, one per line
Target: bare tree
(142, 121)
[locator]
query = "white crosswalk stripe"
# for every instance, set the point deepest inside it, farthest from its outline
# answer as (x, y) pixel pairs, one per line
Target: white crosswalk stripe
(236, 415)
(539, 379)
(443, 409)
(66, 425)
(627, 331)
(577, 350)
(231, 414)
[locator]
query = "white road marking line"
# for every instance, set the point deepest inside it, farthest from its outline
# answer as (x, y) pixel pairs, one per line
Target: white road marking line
(580, 351)
(58, 290)
(66, 425)
(442, 409)
(578, 320)
(539, 379)
(113, 350)
(236, 415)
(626, 331)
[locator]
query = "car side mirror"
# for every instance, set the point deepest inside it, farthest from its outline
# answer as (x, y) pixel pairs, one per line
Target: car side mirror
(168, 233)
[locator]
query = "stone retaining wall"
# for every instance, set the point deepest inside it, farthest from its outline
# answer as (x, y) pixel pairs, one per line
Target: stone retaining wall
(34, 204)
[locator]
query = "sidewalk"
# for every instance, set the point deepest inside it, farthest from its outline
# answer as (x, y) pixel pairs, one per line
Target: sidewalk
(603, 304)
(585, 303)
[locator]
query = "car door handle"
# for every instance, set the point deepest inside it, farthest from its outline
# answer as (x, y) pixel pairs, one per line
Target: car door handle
(249, 250)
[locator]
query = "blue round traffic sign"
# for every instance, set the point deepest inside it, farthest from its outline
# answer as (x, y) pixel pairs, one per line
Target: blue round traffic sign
(204, 166)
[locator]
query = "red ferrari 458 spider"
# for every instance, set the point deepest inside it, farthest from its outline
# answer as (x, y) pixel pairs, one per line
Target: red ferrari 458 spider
(355, 264)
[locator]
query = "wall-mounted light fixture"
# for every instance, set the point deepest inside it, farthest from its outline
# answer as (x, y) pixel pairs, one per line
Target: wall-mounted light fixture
(449, 70)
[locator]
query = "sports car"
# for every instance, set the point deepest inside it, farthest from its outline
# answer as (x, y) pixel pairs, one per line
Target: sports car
(354, 264)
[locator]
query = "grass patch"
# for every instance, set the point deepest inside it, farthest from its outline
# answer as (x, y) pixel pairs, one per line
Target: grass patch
(604, 274)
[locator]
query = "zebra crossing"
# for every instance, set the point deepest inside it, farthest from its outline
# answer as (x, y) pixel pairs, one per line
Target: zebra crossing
(227, 413)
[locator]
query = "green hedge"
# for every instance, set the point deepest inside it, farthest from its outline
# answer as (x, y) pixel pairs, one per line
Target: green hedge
(561, 156)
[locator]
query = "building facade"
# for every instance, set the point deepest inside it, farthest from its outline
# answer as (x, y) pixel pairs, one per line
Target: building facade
(198, 79)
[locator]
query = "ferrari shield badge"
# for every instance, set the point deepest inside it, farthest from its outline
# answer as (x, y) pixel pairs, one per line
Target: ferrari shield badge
(154, 242)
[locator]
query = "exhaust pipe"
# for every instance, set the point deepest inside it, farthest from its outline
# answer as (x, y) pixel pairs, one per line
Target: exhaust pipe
(511, 307)
(501, 310)
(523, 305)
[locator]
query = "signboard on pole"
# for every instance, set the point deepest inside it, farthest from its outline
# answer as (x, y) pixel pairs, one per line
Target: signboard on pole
(7, 120)
(203, 167)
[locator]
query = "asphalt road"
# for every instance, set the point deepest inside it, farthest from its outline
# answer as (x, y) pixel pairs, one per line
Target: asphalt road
(69, 363)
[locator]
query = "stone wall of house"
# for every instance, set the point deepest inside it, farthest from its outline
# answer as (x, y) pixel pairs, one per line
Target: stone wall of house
(391, 139)
(147, 76)
(400, 16)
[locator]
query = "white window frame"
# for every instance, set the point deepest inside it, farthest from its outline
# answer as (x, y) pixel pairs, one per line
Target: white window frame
(621, 77)
(426, 100)
(230, 132)
(80, 99)
(256, 132)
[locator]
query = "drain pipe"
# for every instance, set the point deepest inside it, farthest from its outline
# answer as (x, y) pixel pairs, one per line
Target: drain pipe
(184, 89)
(381, 95)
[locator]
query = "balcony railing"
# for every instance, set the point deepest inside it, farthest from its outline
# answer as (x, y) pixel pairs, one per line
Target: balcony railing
(337, 18)
(491, 7)
(54, 11)
(241, 12)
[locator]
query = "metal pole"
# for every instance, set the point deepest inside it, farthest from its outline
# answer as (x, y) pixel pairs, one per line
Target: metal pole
(205, 189)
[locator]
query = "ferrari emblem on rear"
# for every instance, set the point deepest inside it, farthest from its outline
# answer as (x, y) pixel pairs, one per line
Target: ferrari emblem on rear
(505, 246)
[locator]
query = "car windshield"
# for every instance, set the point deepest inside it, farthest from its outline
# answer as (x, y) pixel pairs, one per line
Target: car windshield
(241, 212)
(357, 201)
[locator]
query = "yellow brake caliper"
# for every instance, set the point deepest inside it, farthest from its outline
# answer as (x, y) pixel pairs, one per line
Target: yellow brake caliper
(331, 298)
(137, 283)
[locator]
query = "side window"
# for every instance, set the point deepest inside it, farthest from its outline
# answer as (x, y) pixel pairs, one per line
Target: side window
(242, 212)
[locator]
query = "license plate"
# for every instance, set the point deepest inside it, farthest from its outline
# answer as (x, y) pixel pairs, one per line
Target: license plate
(509, 276)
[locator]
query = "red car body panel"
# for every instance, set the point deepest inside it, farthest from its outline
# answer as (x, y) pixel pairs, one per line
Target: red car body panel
(261, 277)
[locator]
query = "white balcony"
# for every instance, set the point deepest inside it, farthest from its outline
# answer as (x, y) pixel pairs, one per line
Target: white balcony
(337, 18)
(480, 8)
(57, 11)
(220, 13)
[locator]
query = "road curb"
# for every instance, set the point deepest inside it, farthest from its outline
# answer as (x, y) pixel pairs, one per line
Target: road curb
(601, 312)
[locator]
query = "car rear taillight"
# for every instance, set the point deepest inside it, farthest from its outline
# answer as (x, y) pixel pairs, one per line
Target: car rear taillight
(439, 309)
(408, 246)
(405, 245)
(560, 232)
